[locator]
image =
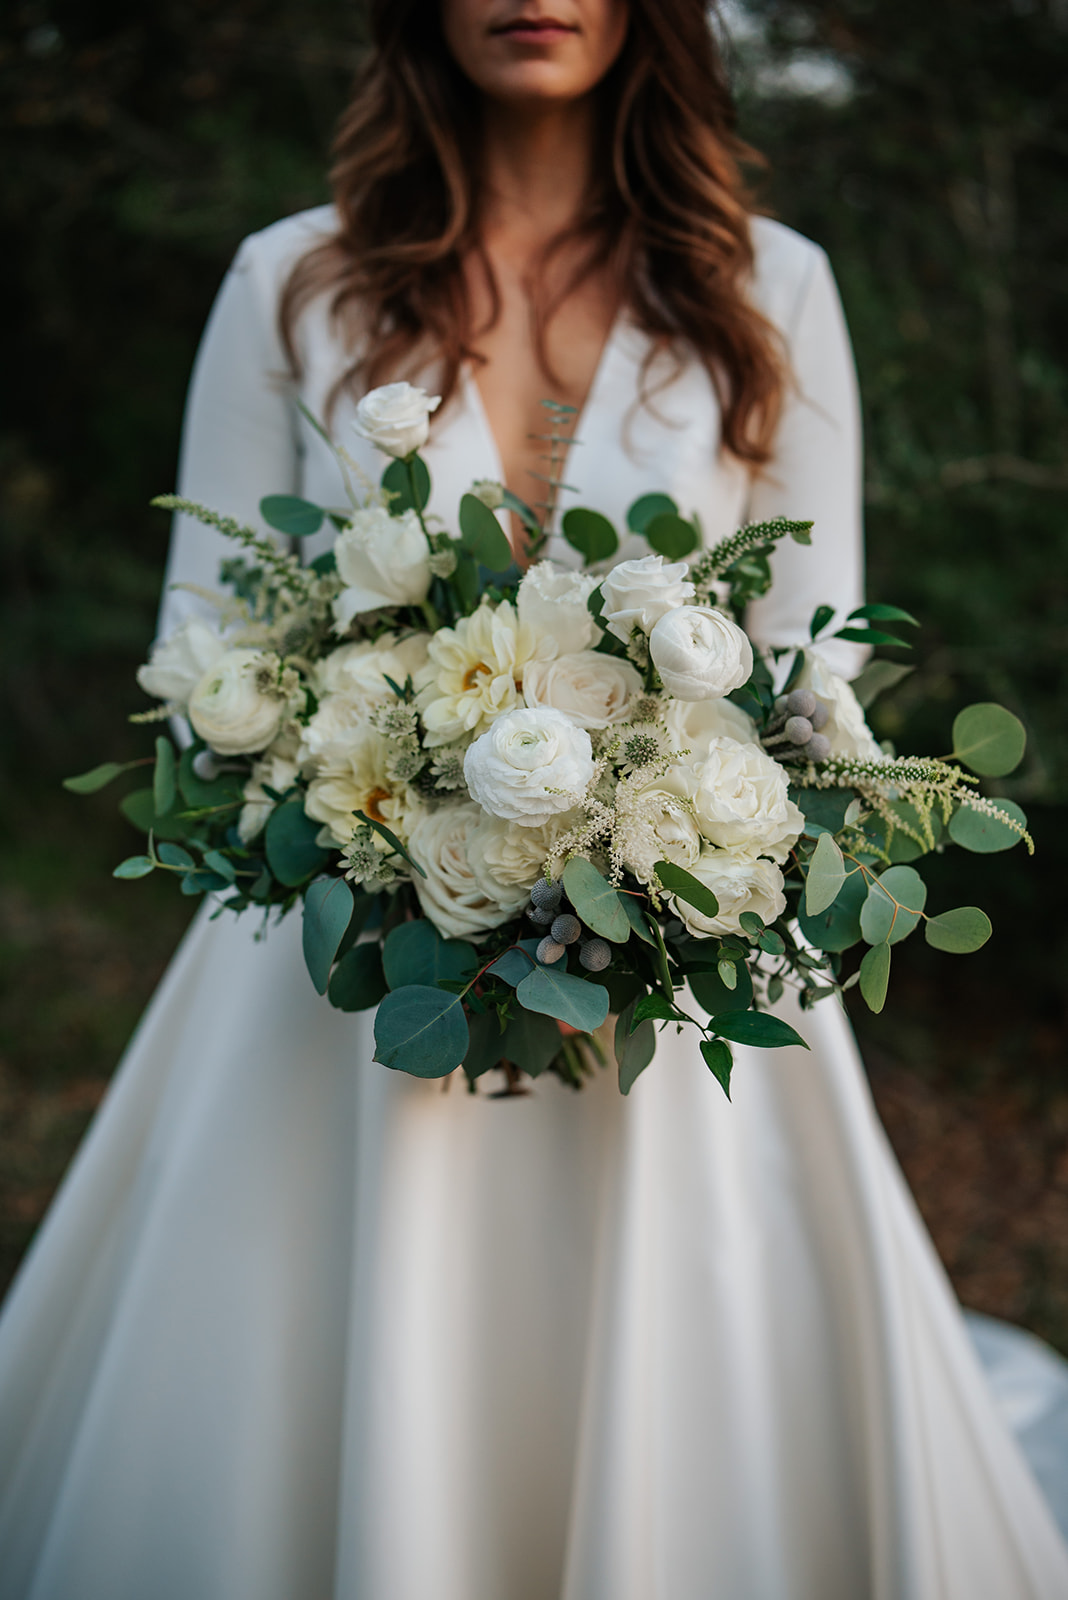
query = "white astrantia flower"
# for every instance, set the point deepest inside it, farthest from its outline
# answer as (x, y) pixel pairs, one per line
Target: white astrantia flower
(740, 882)
(277, 768)
(845, 728)
(693, 724)
(177, 663)
(382, 561)
(740, 800)
(657, 822)
(450, 895)
(396, 418)
(699, 653)
(474, 672)
(638, 593)
(594, 690)
(553, 600)
(237, 706)
(358, 672)
(508, 861)
(529, 766)
(352, 774)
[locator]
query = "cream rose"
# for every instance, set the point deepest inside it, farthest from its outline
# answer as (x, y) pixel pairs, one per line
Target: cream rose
(593, 690)
(693, 724)
(699, 653)
(358, 672)
(351, 774)
(236, 707)
(382, 561)
(740, 800)
(551, 600)
(396, 418)
(845, 728)
(177, 663)
(474, 672)
(450, 894)
(530, 766)
(508, 861)
(638, 593)
(660, 823)
(278, 769)
(740, 882)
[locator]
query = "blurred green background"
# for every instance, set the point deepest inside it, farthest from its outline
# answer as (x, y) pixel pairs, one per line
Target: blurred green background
(923, 145)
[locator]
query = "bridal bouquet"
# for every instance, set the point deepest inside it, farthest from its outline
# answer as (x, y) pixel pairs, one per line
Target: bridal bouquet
(511, 800)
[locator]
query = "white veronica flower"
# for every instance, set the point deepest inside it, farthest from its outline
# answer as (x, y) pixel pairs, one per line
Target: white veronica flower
(530, 766)
(740, 800)
(593, 690)
(553, 600)
(740, 882)
(845, 728)
(352, 774)
(450, 895)
(236, 707)
(396, 418)
(382, 561)
(699, 653)
(177, 663)
(638, 593)
(474, 672)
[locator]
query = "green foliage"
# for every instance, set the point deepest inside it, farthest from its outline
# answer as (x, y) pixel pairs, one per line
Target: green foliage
(357, 982)
(671, 535)
(893, 906)
(482, 535)
(989, 739)
(677, 881)
(591, 534)
(96, 778)
(557, 994)
(757, 1028)
(960, 932)
(982, 833)
(291, 515)
(719, 1061)
(648, 506)
(290, 842)
(634, 1051)
(164, 778)
(415, 952)
(713, 995)
(825, 875)
(874, 976)
(328, 906)
(409, 484)
(421, 1030)
(595, 901)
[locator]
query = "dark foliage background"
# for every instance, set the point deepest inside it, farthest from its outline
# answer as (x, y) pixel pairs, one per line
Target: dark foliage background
(923, 145)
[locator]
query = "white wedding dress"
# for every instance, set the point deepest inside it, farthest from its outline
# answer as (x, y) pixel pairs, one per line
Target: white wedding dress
(301, 1328)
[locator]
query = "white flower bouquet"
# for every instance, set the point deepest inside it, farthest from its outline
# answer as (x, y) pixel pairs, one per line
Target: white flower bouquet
(509, 800)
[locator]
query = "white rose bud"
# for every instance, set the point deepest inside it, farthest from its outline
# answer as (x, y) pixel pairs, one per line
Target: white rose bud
(529, 766)
(741, 800)
(396, 418)
(699, 653)
(178, 662)
(740, 882)
(593, 690)
(382, 561)
(450, 895)
(236, 707)
(551, 600)
(638, 593)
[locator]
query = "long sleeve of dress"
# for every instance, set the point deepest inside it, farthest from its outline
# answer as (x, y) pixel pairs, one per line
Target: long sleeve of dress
(816, 468)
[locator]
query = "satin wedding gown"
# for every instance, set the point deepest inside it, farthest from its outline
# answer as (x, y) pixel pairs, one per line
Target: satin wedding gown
(301, 1328)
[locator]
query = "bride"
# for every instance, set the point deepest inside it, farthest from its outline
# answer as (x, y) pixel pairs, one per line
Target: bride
(298, 1327)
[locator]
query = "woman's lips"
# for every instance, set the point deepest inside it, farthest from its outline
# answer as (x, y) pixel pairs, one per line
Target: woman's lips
(541, 30)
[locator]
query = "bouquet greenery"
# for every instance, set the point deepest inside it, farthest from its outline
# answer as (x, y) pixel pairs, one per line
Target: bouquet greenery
(509, 800)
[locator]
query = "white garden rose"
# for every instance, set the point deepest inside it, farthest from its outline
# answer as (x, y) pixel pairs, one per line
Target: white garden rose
(693, 724)
(352, 774)
(699, 653)
(740, 882)
(396, 418)
(660, 824)
(552, 600)
(382, 561)
(530, 766)
(593, 690)
(450, 895)
(508, 861)
(277, 768)
(474, 672)
(177, 663)
(358, 672)
(638, 593)
(740, 800)
(845, 728)
(237, 706)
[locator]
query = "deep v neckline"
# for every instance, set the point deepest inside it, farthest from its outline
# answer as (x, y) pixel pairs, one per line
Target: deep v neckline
(473, 398)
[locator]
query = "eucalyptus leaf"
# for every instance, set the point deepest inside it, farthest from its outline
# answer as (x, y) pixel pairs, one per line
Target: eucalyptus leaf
(327, 911)
(989, 739)
(290, 844)
(482, 535)
(727, 974)
(713, 996)
(677, 881)
(757, 1028)
(719, 1061)
(421, 1031)
(164, 777)
(216, 862)
(596, 902)
(512, 967)
(592, 535)
(97, 777)
(531, 1041)
(827, 807)
(397, 481)
(874, 976)
(985, 835)
(825, 877)
(636, 917)
(648, 506)
(653, 1007)
(671, 535)
(134, 867)
(414, 952)
(893, 907)
(960, 931)
(291, 515)
(557, 994)
(357, 982)
(172, 855)
(876, 678)
(139, 807)
(638, 1050)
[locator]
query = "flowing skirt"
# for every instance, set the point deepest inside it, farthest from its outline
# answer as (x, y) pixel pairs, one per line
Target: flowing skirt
(301, 1328)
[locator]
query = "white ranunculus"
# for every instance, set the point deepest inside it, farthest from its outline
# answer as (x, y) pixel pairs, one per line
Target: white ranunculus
(740, 800)
(236, 706)
(660, 823)
(450, 895)
(740, 882)
(551, 600)
(278, 769)
(638, 593)
(508, 861)
(593, 690)
(693, 724)
(474, 672)
(352, 774)
(529, 766)
(396, 418)
(382, 561)
(845, 728)
(177, 663)
(699, 653)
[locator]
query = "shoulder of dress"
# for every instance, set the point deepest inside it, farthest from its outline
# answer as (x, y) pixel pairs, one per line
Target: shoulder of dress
(785, 263)
(272, 252)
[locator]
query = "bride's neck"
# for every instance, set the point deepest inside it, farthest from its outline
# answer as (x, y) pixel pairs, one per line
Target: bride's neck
(536, 168)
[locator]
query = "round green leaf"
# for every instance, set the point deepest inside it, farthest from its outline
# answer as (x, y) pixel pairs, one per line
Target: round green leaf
(327, 911)
(671, 535)
(875, 975)
(960, 931)
(421, 1031)
(415, 952)
(719, 1061)
(172, 855)
(713, 996)
(827, 807)
(572, 1000)
(838, 927)
(893, 906)
(825, 877)
(596, 902)
(648, 506)
(396, 479)
(590, 533)
(482, 535)
(972, 830)
(357, 982)
(758, 1028)
(289, 842)
(134, 867)
(989, 739)
(139, 807)
(291, 515)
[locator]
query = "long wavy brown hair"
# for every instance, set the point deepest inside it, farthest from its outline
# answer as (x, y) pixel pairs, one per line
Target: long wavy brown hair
(667, 218)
